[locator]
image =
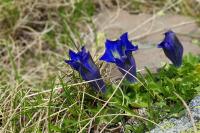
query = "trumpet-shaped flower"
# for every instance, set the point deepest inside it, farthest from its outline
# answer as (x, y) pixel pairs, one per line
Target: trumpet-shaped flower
(84, 64)
(172, 48)
(120, 53)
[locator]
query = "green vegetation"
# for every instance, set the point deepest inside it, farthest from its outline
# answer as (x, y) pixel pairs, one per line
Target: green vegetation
(154, 93)
(40, 93)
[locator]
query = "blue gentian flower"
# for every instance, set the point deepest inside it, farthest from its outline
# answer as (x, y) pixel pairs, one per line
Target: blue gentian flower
(84, 64)
(120, 53)
(172, 48)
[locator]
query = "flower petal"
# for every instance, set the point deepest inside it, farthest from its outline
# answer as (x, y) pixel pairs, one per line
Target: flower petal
(83, 53)
(73, 55)
(119, 63)
(125, 42)
(98, 84)
(115, 48)
(120, 53)
(172, 48)
(89, 63)
(161, 45)
(84, 64)
(127, 66)
(107, 56)
(75, 65)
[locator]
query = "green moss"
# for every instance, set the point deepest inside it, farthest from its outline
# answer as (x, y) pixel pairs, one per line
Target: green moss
(167, 124)
(191, 130)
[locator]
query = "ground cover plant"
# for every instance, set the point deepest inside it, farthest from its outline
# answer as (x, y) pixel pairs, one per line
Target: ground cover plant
(40, 93)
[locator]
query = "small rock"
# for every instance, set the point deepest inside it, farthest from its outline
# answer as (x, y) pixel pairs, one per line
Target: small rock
(179, 125)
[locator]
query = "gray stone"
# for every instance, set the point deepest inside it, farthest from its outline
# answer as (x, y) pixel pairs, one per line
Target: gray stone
(183, 123)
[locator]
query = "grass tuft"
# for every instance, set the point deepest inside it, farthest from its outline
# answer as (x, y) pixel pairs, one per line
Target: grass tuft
(40, 93)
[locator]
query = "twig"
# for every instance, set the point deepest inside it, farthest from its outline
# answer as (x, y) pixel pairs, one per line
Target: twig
(189, 112)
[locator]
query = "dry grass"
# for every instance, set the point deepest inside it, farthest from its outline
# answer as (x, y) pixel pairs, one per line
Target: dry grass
(34, 38)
